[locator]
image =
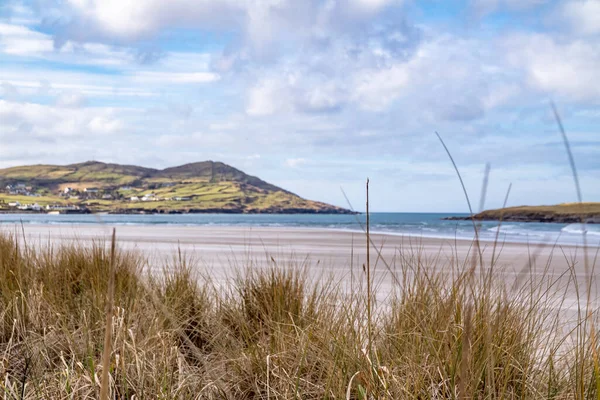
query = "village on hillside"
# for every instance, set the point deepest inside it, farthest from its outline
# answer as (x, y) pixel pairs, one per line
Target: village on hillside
(73, 200)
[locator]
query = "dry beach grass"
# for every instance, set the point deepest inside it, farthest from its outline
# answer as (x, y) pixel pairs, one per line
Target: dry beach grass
(273, 332)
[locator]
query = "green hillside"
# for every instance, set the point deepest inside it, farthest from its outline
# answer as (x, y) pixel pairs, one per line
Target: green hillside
(100, 187)
(561, 213)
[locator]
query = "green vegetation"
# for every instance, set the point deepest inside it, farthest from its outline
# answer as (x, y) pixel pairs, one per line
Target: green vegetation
(272, 332)
(564, 208)
(564, 213)
(205, 187)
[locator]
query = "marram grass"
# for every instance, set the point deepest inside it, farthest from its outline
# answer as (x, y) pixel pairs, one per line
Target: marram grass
(274, 333)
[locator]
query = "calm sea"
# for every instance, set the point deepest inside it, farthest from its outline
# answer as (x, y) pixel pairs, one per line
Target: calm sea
(415, 224)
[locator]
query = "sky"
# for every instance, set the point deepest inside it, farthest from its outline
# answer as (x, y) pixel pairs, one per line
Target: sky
(315, 96)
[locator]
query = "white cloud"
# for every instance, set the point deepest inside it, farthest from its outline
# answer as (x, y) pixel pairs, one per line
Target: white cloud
(9, 91)
(24, 41)
(267, 98)
(133, 18)
(105, 125)
(295, 162)
(71, 100)
(375, 89)
(557, 67)
(265, 27)
(29, 120)
(583, 16)
(19, 40)
(175, 77)
(60, 82)
(18, 14)
(223, 126)
(447, 78)
(370, 5)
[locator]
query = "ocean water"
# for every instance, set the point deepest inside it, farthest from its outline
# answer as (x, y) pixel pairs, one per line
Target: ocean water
(413, 224)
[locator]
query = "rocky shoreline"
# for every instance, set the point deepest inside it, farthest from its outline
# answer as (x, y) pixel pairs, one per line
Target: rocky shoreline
(127, 211)
(274, 210)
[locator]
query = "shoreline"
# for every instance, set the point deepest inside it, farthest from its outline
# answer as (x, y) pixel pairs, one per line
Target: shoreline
(221, 251)
(248, 227)
(304, 238)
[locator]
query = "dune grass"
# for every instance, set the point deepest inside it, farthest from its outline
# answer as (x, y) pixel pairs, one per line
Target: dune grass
(276, 333)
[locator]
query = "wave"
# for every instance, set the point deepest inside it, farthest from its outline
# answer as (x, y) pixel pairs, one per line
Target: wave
(580, 229)
(519, 231)
(502, 228)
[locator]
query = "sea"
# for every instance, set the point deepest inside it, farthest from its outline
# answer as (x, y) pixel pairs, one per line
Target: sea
(430, 225)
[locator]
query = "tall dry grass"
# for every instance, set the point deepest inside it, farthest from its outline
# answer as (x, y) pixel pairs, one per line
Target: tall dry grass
(274, 332)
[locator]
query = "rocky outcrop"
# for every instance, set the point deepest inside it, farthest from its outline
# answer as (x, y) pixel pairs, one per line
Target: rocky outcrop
(237, 210)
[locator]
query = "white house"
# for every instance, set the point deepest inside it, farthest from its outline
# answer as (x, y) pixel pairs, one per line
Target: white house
(149, 197)
(91, 190)
(134, 198)
(14, 204)
(34, 207)
(67, 190)
(107, 197)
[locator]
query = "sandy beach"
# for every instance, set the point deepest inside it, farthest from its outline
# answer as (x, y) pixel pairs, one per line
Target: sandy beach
(219, 250)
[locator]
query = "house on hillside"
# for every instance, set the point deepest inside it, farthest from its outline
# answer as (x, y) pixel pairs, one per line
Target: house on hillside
(182, 198)
(61, 207)
(91, 190)
(30, 207)
(149, 197)
(107, 196)
(134, 198)
(67, 190)
(14, 204)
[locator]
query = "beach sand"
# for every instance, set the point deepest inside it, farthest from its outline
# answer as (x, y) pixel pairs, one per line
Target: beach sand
(218, 251)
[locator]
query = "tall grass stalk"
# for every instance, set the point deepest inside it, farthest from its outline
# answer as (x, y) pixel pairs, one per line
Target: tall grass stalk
(369, 289)
(582, 330)
(106, 356)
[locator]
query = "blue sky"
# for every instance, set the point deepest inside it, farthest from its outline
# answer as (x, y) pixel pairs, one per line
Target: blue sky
(312, 95)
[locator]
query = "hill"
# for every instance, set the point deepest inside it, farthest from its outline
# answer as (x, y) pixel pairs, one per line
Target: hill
(566, 213)
(94, 186)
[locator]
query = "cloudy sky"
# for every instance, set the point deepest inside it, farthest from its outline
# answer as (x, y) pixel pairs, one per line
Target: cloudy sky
(312, 95)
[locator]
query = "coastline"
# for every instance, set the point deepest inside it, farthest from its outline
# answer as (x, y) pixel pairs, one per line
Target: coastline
(400, 228)
(185, 211)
